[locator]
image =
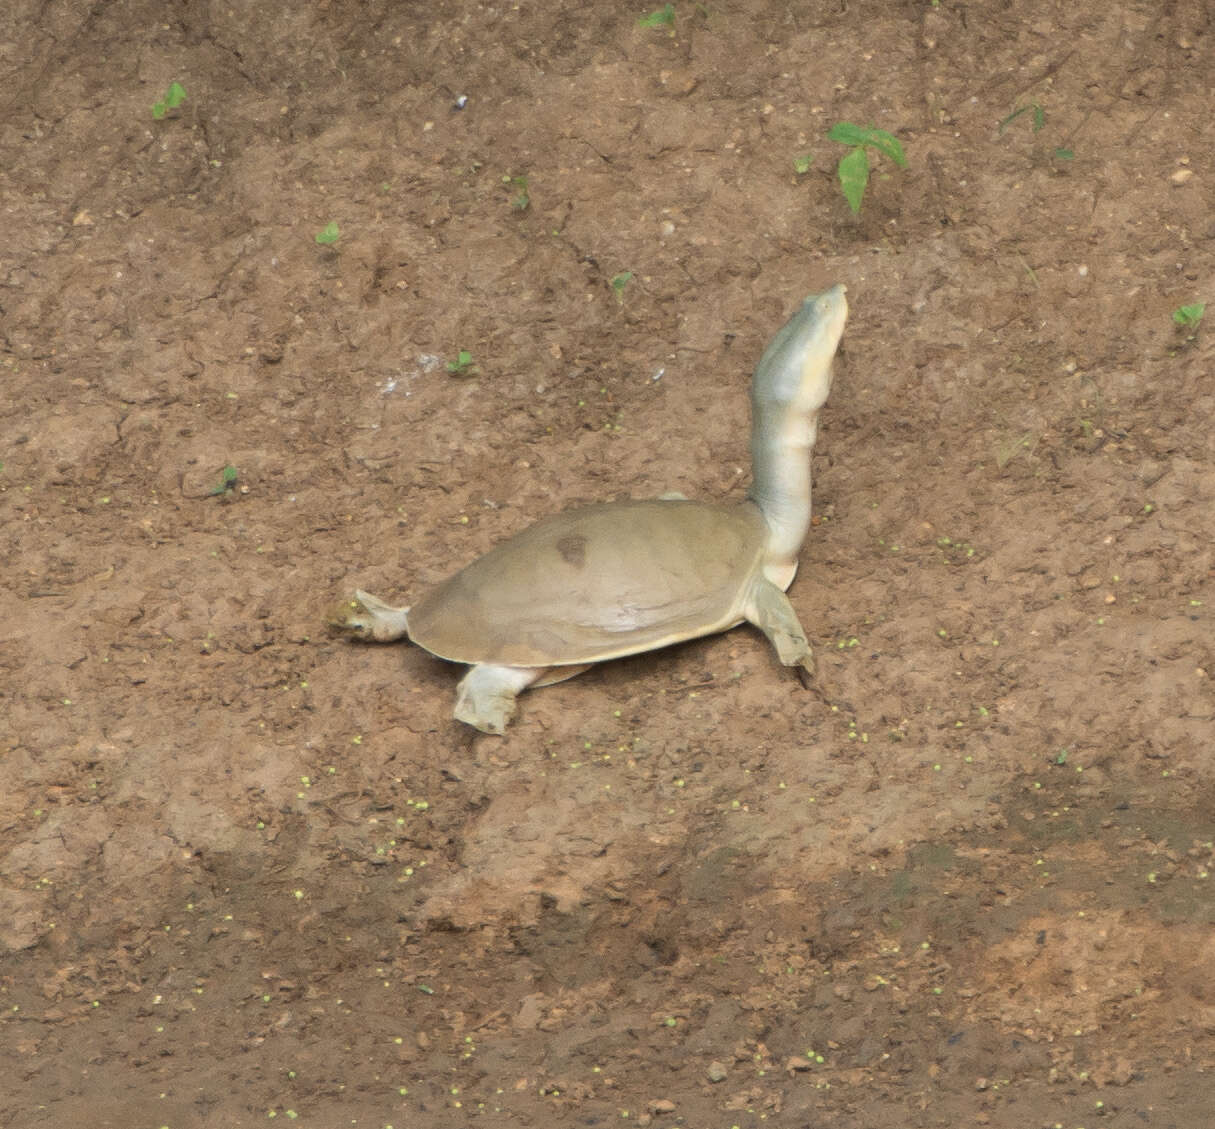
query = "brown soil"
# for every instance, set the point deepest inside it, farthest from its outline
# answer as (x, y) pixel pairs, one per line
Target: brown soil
(248, 871)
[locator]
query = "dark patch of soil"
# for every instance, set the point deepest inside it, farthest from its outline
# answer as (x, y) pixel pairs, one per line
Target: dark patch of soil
(247, 869)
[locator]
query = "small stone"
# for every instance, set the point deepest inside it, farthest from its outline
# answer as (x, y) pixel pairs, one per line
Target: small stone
(796, 1063)
(662, 1105)
(981, 1083)
(530, 1012)
(716, 1072)
(1180, 176)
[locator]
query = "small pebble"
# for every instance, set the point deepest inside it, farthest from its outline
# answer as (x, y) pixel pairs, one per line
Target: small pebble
(1180, 176)
(662, 1105)
(797, 1063)
(716, 1072)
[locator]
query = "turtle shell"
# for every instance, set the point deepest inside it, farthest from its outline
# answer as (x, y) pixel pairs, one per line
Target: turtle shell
(596, 583)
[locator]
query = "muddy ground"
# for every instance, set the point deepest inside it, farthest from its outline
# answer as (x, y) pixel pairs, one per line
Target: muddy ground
(252, 874)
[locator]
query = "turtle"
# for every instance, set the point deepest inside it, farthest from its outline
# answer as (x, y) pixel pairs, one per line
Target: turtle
(603, 581)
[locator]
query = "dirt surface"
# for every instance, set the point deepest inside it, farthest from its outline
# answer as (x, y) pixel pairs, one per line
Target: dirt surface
(251, 872)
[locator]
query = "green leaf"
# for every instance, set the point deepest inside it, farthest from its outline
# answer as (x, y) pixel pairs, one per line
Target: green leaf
(1064, 155)
(1189, 316)
(1034, 108)
(227, 481)
(848, 134)
(328, 234)
(801, 165)
(663, 17)
(1006, 122)
(173, 97)
(887, 143)
(854, 177)
(620, 281)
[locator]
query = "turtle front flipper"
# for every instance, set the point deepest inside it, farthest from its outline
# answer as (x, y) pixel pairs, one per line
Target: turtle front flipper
(485, 698)
(364, 616)
(769, 609)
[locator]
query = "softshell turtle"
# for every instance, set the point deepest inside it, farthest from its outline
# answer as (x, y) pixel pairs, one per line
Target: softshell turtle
(603, 581)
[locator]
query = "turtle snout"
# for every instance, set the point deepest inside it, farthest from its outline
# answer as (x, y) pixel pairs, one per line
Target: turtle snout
(349, 618)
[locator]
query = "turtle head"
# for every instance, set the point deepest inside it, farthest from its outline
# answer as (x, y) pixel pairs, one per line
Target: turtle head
(795, 370)
(364, 617)
(790, 386)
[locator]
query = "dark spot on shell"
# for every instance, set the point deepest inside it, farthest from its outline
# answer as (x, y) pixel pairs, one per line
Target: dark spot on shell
(573, 550)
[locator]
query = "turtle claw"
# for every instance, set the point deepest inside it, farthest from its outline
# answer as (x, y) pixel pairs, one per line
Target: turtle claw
(488, 717)
(366, 617)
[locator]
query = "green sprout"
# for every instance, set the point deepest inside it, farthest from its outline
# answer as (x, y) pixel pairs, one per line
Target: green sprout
(227, 482)
(521, 199)
(328, 235)
(854, 165)
(663, 17)
(1188, 317)
(173, 97)
(1039, 120)
(1032, 108)
(802, 163)
(619, 282)
(462, 364)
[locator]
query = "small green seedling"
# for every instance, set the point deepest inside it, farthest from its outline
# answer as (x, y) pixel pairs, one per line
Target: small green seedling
(174, 97)
(328, 235)
(854, 165)
(1033, 108)
(1188, 317)
(1039, 120)
(521, 199)
(619, 282)
(802, 163)
(462, 364)
(663, 17)
(227, 482)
